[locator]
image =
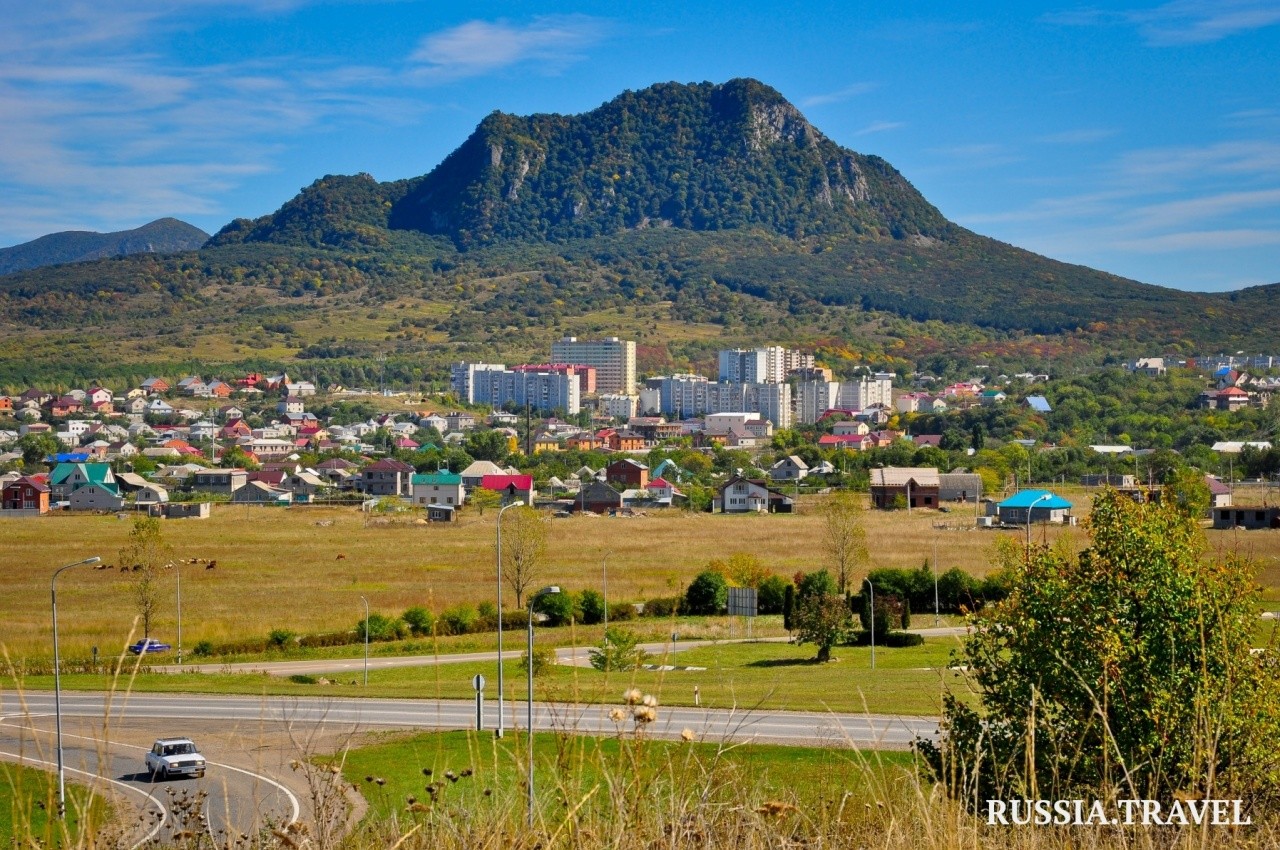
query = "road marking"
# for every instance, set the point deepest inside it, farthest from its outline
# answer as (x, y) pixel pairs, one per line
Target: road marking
(164, 813)
(292, 798)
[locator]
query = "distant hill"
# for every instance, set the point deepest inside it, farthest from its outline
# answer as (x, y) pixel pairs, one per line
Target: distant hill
(161, 236)
(684, 216)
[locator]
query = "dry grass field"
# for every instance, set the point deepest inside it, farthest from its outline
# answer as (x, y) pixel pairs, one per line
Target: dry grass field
(282, 568)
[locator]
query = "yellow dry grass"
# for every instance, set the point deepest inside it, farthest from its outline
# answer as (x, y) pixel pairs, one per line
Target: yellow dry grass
(281, 568)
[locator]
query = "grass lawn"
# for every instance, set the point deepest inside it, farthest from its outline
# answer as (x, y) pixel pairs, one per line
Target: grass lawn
(593, 773)
(29, 795)
(775, 676)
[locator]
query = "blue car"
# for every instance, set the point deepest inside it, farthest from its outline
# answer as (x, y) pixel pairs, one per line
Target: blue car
(148, 645)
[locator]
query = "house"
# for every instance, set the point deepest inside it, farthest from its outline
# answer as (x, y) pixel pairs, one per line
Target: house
(95, 497)
(475, 473)
(460, 421)
(136, 406)
(1038, 404)
(854, 442)
(627, 472)
(790, 468)
(223, 481)
(931, 440)
(990, 398)
(155, 386)
(130, 482)
(1231, 399)
(300, 389)
(585, 442)
(65, 406)
(1220, 495)
(599, 498)
(66, 478)
(28, 494)
(959, 487)
(1042, 505)
(744, 495)
(1241, 516)
(905, 486)
(626, 441)
(438, 488)
(664, 492)
(387, 477)
(152, 494)
(261, 493)
(230, 412)
(159, 407)
(291, 404)
(517, 488)
(305, 486)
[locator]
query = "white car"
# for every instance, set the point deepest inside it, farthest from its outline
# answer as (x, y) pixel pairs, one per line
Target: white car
(174, 757)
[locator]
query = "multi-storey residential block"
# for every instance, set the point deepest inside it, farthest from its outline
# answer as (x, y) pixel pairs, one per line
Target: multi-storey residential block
(614, 360)
(463, 376)
(863, 392)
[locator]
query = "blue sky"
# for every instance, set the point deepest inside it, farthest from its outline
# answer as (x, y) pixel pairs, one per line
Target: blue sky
(1138, 138)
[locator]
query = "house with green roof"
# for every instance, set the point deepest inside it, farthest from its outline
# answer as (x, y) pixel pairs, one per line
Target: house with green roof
(438, 488)
(66, 478)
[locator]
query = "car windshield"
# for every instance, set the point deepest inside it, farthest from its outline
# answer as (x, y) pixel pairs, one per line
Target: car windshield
(179, 749)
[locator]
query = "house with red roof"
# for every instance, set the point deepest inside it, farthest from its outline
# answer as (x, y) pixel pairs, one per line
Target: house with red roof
(856, 442)
(518, 488)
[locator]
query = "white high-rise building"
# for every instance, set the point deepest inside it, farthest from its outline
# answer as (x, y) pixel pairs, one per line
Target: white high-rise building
(813, 398)
(617, 405)
(544, 391)
(462, 378)
(768, 365)
(613, 358)
(861, 393)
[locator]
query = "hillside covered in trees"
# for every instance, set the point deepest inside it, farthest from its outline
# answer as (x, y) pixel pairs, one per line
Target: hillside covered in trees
(685, 216)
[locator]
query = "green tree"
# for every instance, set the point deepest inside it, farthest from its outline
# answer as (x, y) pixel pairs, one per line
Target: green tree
(145, 555)
(708, 593)
(35, 447)
(487, 445)
(771, 595)
(822, 619)
(482, 499)
(1123, 670)
(591, 606)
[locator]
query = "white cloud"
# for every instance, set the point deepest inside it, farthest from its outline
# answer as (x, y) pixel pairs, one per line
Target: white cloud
(481, 47)
(839, 95)
(1180, 22)
(879, 127)
(1199, 240)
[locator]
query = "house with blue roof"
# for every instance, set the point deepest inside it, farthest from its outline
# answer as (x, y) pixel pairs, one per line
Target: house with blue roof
(1041, 505)
(438, 488)
(1039, 404)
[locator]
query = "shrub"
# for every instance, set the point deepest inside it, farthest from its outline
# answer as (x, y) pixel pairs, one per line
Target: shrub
(303, 679)
(419, 620)
(618, 651)
(381, 628)
(663, 606)
(771, 594)
(203, 649)
(487, 610)
(279, 638)
(708, 593)
(458, 620)
(330, 638)
(559, 608)
(621, 611)
(544, 658)
(592, 606)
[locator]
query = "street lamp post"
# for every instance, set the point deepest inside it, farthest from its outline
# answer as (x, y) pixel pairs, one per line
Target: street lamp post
(177, 571)
(1037, 500)
(604, 571)
(57, 681)
(546, 591)
(937, 620)
(872, 621)
(498, 732)
(366, 639)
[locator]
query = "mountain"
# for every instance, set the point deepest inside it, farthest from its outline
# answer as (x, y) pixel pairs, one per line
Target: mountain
(684, 216)
(161, 236)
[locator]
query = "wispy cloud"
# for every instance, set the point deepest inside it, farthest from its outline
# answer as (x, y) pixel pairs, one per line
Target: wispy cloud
(1180, 22)
(839, 95)
(879, 127)
(1200, 240)
(482, 47)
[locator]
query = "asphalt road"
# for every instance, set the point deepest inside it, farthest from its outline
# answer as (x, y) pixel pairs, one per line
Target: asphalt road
(237, 795)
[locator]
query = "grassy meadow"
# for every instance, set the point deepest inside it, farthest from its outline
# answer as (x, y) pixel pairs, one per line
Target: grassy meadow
(305, 569)
(28, 796)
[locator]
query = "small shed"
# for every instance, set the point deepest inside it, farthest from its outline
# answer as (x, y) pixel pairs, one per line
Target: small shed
(442, 513)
